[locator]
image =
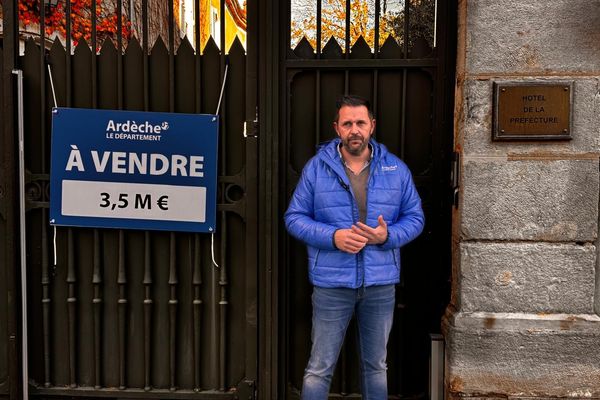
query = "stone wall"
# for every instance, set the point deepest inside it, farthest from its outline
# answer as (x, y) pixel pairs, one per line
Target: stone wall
(524, 320)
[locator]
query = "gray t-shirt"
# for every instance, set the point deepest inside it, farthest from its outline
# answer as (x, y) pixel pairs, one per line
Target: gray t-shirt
(359, 185)
(359, 188)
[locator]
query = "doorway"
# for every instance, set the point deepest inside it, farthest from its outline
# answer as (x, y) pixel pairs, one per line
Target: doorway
(400, 55)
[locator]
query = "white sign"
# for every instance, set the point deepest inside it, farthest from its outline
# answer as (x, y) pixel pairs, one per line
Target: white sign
(133, 200)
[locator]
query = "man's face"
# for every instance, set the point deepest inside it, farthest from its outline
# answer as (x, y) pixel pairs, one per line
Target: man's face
(355, 128)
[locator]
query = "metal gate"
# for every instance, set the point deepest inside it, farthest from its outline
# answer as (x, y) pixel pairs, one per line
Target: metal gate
(135, 314)
(132, 314)
(409, 80)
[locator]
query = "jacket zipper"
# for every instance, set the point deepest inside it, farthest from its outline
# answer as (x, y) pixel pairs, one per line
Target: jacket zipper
(347, 189)
(361, 278)
(367, 187)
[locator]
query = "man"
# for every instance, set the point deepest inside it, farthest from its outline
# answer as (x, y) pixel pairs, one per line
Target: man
(354, 206)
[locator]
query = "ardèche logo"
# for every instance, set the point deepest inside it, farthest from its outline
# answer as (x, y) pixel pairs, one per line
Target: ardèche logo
(131, 130)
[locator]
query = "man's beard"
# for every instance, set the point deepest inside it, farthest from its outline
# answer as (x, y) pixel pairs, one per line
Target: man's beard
(355, 151)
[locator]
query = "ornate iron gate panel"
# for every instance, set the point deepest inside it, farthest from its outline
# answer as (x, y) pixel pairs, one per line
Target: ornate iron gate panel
(408, 77)
(141, 314)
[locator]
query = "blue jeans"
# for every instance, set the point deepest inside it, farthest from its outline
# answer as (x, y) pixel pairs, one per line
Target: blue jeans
(332, 311)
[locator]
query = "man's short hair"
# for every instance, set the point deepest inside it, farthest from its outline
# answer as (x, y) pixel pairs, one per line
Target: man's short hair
(351, 100)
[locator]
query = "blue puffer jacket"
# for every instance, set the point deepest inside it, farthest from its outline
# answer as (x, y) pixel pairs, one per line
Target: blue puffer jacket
(323, 202)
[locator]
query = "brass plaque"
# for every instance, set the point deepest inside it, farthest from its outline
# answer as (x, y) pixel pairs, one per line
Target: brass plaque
(532, 110)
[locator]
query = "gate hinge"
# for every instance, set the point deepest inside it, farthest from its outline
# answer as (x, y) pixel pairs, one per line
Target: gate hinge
(246, 390)
(455, 177)
(2, 202)
(251, 126)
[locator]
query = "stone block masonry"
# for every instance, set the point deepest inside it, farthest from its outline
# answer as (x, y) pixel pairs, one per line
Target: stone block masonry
(524, 321)
(530, 200)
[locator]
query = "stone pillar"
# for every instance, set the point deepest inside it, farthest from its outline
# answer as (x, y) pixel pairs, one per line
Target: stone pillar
(524, 318)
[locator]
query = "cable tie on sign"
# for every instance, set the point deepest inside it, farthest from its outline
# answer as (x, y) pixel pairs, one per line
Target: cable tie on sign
(55, 106)
(52, 86)
(222, 88)
(54, 245)
(212, 250)
(212, 236)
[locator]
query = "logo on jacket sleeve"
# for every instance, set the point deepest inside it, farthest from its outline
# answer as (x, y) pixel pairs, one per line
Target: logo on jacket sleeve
(388, 168)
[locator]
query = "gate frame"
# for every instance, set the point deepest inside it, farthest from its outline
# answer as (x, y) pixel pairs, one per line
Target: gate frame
(272, 46)
(8, 192)
(269, 227)
(264, 69)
